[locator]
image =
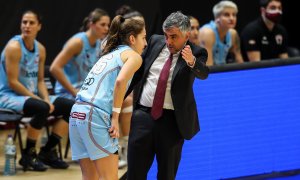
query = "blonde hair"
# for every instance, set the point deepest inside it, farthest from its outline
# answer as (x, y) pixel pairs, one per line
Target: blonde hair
(219, 8)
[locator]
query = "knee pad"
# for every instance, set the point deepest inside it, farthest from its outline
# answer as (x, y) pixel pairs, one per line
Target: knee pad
(63, 108)
(39, 119)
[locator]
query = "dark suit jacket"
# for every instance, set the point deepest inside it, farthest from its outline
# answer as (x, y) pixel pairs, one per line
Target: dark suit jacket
(182, 83)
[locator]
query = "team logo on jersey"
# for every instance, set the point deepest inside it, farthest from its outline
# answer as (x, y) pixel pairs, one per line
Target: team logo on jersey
(279, 39)
(264, 40)
(252, 42)
(37, 59)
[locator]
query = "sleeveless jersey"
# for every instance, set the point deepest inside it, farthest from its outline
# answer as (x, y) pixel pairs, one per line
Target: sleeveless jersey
(28, 68)
(97, 89)
(78, 67)
(220, 49)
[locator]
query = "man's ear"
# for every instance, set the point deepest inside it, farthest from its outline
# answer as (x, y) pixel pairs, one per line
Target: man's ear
(188, 35)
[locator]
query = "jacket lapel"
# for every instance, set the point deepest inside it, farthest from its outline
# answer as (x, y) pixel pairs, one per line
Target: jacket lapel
(154, 54)
(180, 63)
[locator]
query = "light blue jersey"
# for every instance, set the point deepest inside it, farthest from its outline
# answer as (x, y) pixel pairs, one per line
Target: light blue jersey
(28, 68)
(90, 117)
(28, 76)
(78, 67)
(220, 49)
(98, 86)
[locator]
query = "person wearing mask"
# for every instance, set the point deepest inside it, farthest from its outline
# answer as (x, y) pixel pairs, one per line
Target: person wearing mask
(265, 38)
(94, 119)
(80, 53)
(23, 89)
(219, 36)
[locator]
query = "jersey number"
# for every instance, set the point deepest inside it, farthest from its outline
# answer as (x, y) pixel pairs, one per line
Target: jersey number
(99, 67)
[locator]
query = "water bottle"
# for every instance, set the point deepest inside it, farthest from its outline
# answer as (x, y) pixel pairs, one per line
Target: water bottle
(10, 157)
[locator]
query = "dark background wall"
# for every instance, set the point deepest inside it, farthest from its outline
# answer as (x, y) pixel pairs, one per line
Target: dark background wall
(62, 18)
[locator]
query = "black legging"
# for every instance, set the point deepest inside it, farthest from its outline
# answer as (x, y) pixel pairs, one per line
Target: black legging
(39, 110)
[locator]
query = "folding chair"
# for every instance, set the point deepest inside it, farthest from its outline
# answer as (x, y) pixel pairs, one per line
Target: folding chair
(9, 116)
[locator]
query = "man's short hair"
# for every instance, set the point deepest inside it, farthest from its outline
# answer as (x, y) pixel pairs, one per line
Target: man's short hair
(264, 3)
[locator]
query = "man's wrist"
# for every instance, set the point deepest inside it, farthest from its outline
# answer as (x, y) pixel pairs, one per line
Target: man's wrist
(193, 64)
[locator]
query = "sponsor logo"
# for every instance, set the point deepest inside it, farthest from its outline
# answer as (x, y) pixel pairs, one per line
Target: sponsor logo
(78, 115)
(31, 74)
(89, 81)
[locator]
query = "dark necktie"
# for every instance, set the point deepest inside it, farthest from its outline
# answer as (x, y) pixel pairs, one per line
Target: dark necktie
(159, 97)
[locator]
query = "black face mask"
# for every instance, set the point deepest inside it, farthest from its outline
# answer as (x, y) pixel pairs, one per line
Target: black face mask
(274, 15)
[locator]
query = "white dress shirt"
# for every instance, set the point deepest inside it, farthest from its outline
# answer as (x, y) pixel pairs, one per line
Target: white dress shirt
(150, 85)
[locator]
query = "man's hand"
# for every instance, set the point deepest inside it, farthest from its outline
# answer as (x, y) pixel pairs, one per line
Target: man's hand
(188, 56)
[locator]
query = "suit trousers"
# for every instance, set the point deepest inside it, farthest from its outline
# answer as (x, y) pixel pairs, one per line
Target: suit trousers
(150, 137)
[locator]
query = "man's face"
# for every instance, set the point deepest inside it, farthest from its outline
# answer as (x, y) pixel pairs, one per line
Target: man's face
(175, 39)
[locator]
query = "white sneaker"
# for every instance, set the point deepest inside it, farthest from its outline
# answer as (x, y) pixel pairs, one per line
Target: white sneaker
(122, 163)
(122, 157)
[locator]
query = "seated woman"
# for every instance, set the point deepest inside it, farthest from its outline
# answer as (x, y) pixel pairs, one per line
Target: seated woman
(22, 89)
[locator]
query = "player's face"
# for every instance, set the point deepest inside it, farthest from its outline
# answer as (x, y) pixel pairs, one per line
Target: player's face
(227, 18)
(30, 25)
(101, 27)
(140, 42)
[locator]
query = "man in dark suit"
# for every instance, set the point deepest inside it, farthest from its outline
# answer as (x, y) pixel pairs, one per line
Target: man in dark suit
(161, 131)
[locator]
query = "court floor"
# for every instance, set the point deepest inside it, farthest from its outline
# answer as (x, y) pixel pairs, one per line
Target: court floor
(73, 172)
